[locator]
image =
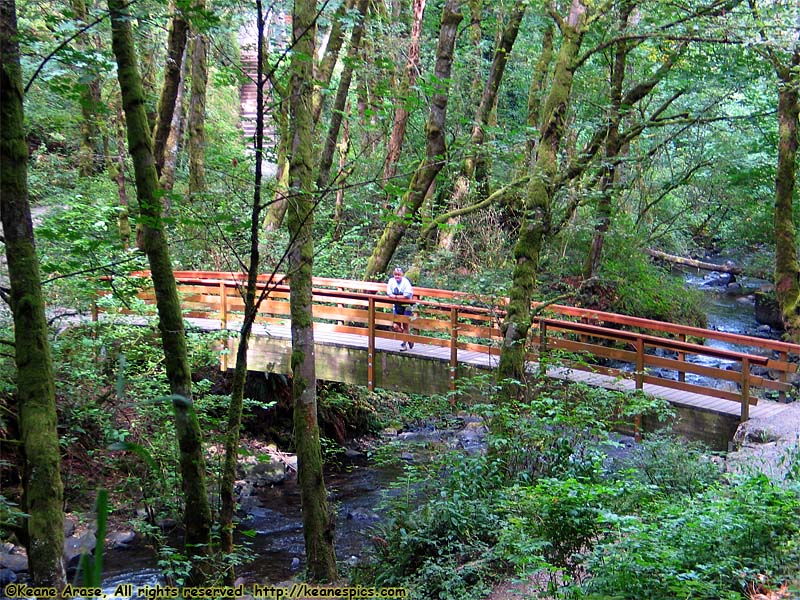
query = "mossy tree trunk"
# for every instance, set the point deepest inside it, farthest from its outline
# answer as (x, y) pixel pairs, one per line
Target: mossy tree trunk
(787, 270)
(318, 523)
(402, 97)
(172, 146)
(327, 63)
(613, 145)
(197, 107)
(785, 61)
(536, 221)
(197, 513)
(36, 414)
(232, 436)
(90, 159)
(176, 49)
(472, 182)
(425, 175)
(339, 103)
(535, 91)
(280, 114)
(115, 166)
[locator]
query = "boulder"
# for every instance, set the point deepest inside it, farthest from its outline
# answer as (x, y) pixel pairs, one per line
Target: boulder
(767, 310)
(76, 545)
(7, 576)
(13, 561)
(120, 539)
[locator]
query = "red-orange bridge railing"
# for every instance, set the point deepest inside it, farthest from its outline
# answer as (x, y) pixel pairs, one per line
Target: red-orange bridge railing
(608, 343)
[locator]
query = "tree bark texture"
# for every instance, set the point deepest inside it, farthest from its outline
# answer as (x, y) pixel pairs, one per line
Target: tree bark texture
(232, 436)
(337, 114)
(197, 513)
(787, 270)
(403, 100)
(197, 110)
(318, 524)
(473, 179)
(176, 47)
(328, 62)
(536, 220)
(36, 414)
(425, 175)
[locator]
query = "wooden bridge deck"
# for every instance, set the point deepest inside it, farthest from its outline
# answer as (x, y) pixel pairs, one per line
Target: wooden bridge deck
(484, 361)
(714, 379)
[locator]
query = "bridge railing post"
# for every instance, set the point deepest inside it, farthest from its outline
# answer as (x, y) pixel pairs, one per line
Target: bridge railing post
(371, 344)
(745, 415)
(639, 363)
(223, 323)
(682, 358)
(637, 420)
(223, 306)
(453, 349)
(784, 377)
(542, 347)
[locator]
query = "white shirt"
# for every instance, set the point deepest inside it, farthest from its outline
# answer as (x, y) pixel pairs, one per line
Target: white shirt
(401, 288)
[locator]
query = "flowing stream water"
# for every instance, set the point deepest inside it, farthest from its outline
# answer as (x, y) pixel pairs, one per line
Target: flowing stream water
(356, 486)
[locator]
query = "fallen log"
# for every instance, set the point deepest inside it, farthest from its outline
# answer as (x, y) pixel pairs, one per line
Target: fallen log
(728, 267)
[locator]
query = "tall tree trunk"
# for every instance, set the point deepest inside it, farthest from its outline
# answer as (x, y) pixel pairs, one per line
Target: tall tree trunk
(115, 166)
(535, 92)
(317, 520)
(461, 187)
(172, 146)
(328, 61)
(613, 145)
(433, 162)
(197, 110)
(402, 96)
(475, 168)
(344, 172)
(337, 114)
(475, 162)
(197, 513)
(89, 157)
(787, 269)
(536, 222)
(176, 48)
(232, 436)
(36, 415)
(277, 208)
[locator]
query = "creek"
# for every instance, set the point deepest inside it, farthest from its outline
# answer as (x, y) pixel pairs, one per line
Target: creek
(356, 486)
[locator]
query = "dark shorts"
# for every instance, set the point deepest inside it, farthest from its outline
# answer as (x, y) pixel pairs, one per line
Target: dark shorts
(402, 309)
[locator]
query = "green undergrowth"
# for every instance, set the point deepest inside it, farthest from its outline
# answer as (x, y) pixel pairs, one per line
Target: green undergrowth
(558, 499)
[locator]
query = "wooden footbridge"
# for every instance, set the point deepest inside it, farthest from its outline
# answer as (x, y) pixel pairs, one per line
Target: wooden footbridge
(456, 334)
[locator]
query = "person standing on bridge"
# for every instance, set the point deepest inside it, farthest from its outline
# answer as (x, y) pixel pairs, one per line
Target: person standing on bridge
(399, 286)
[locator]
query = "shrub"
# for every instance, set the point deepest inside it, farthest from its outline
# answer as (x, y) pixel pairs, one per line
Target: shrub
(706, 547)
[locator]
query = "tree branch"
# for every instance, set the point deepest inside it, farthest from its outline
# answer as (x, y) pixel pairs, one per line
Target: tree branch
(494, 197)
